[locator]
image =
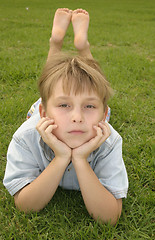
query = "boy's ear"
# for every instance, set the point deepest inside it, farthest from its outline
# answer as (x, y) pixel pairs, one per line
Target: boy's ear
(105, 113)
(42, 110)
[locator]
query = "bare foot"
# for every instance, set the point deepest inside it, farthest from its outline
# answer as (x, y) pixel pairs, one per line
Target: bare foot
(80, 22)
(61, 22)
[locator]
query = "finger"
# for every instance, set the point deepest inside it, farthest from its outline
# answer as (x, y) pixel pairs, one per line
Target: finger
(105, 132)
(98, 131)
(44, 122)
(49, 136)
(50, 128)
(105, 128)
(40, 122)
(43, 127)
(98, 136)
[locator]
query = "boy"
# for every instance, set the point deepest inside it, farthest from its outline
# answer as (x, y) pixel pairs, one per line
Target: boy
(67, 141)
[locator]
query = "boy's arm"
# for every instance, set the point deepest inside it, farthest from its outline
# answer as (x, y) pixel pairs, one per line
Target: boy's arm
(100, 203)
(39, 192)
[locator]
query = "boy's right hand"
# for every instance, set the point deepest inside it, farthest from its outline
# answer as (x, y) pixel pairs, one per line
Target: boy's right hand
(45, 127)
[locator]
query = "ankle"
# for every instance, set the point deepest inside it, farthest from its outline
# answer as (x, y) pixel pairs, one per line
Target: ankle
(55, 44)
(85, 50)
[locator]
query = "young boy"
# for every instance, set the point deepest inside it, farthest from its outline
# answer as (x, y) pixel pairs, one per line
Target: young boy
(67, 142)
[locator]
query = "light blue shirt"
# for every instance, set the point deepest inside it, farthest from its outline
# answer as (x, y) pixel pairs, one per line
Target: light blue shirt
(28, 156)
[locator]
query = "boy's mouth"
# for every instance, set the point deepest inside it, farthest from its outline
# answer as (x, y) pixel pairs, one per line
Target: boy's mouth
(76, 132)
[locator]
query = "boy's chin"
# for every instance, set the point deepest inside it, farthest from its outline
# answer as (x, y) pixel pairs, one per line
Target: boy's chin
(76, 142)
(74, 145)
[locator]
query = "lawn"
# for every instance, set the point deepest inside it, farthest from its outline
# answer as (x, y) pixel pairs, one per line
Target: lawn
(122, 39)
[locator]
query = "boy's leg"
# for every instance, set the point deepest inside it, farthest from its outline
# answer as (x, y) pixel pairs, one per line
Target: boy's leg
(80, 22)
(61, 22)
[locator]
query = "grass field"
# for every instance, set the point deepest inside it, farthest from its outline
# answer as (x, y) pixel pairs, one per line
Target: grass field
(122, 39)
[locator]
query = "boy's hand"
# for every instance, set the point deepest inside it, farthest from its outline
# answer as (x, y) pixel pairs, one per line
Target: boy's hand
(45, 127)
(82, 152)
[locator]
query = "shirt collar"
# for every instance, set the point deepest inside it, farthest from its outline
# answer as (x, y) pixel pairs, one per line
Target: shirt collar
(48, 152)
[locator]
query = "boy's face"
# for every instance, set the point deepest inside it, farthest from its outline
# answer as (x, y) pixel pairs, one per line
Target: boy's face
(75, 115)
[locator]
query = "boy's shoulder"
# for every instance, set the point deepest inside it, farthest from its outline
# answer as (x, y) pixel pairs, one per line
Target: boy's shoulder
(28, 127)
(113, 138)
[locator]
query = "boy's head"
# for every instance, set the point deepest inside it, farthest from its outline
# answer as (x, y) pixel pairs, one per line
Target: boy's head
(74, 93)
(78, 75)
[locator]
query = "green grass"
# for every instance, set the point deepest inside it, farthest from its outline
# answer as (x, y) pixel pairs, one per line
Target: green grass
(122, 39)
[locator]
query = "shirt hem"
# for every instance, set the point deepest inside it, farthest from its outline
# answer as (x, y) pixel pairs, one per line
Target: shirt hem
(18, 186)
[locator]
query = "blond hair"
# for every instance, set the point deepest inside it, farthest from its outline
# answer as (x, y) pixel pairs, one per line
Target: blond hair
(78, 74)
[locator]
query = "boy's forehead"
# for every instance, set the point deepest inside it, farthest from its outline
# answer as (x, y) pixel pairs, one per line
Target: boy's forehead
(58, 91)
(81, 97)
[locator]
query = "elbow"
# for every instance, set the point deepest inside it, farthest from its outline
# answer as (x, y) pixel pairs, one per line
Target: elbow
(112, 220)
(115, 212)
(24, 204)
(111, 214)
(115, 217)
(22, 207)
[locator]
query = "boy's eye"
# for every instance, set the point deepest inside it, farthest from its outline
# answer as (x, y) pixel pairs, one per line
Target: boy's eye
(90, 106)
(64, 105)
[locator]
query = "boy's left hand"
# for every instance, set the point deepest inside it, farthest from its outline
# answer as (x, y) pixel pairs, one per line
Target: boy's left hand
(82, 152)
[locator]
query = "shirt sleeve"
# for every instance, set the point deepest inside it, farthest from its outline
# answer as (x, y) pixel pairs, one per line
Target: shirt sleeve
(21, 168)
(111, 171)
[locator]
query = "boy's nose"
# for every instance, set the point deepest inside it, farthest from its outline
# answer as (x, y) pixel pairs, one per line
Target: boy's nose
(77, 116)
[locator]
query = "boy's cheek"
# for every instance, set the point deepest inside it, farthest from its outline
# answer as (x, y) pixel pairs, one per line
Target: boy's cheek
(57, 132)
(93, 133)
